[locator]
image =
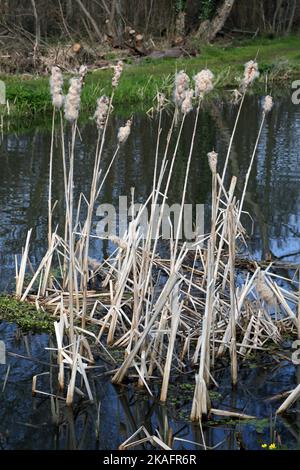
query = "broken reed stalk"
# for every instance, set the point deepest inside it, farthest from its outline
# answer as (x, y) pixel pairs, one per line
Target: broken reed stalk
(231, 261)
(65, 173)
(21, 273)
(71, 276)
(175, 309)
(118, 377)
(294, 395)
(50, 180)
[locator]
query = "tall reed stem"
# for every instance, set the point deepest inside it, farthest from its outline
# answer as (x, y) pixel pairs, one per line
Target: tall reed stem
(231, 242)
(250, 166)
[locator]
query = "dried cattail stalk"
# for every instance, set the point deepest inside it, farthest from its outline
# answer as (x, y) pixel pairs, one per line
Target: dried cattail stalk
(187, 104)
(203, 82)
(124, 132)
(268, 104)
(101, 111)
(250, 74)
(72, 101)
(118, 69)
(264, 291)
(56, 84)
(181, 86)
(213, 160)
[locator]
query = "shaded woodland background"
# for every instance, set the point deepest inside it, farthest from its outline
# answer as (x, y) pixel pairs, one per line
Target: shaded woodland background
(101, 20)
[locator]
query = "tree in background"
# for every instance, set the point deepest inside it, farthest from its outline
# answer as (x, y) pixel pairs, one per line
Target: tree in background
(38, 21)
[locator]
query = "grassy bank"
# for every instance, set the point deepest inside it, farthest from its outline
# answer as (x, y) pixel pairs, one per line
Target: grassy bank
(279, 61)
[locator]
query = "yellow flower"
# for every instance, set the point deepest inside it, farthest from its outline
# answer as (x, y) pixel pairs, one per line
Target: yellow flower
(272, 446)
(264, 446)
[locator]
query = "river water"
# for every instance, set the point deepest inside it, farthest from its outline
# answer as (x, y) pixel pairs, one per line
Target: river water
(273, 200)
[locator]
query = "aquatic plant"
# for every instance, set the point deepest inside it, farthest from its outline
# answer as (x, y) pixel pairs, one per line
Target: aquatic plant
(72, 101)
(56, 86)
(200, 312)
(203, 82)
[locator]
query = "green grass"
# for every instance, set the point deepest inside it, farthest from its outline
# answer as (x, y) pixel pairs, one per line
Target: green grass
(278, 58)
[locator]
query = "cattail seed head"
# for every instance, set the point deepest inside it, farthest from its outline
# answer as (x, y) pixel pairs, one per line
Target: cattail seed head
(118, 69)
(187, 104)
(181, 86)
(268, 104)
(161, 99)
(203, 82)
(72, 101)
(56, 84)
(124, 132)
(101, 111)
(250, 74)
(122, 244)
(264, 291)
(82, 73)
(213, 160)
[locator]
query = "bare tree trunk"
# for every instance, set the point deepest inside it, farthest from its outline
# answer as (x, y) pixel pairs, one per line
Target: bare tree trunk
(37, 31)
(209, 29)
(292, 17)
(69, 9)
(64, 20)
(90, 18)
(277, 10)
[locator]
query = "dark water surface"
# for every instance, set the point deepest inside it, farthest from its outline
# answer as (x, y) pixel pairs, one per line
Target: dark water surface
(273, 201)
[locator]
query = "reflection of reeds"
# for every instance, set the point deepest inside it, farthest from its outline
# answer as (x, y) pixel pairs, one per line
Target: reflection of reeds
(199, 312)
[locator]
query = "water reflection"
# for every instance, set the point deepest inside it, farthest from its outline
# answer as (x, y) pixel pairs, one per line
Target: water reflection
(43, 423)
(273, 200)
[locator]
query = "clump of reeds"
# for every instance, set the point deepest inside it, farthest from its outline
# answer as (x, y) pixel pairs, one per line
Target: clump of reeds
(199, 313)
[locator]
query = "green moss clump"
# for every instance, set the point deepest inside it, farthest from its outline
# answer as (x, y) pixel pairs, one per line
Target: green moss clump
(25, 315)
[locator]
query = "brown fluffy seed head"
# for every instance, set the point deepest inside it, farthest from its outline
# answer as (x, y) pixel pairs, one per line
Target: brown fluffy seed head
(118, 69)
(203, 82)
(101, 112)
(250, 74)
(82, 73)
(187, 104)
(56, 85)
(124, 132)
(161, 99)
(213, 161)
(72, 101)
(268, 104)
(118, 241)
(181, 86)
(265, 293)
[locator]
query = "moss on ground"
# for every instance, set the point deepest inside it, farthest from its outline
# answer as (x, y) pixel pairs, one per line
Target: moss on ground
(25, 315)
